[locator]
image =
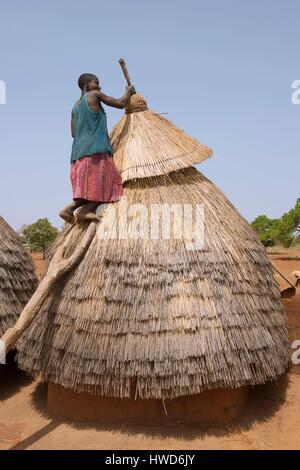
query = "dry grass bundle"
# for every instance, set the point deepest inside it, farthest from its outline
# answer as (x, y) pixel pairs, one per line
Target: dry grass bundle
(17, 278)
(146, 144)
(150, 319)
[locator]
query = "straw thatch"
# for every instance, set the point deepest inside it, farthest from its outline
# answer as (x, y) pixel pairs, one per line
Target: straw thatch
(151, 319)
(17, 278)
(146, 144)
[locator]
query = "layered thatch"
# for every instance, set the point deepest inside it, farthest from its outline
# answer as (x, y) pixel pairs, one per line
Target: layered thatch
(146, 144)
(151, 319)
(17, 278)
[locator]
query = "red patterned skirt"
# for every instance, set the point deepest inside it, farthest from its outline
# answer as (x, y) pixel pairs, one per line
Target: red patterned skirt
(96, 178)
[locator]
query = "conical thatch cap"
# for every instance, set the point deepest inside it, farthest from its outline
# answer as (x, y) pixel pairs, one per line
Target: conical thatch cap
(146, 144)
(149, 318)
(17, 278)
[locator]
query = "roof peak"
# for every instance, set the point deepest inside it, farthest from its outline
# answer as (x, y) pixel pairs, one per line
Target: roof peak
(136, 104)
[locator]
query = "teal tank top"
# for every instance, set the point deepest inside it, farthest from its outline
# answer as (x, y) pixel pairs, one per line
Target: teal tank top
(91, 135)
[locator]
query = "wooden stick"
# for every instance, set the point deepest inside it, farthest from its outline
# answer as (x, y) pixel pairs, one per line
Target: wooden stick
(57, 268)
(280, 273)
(125, 71)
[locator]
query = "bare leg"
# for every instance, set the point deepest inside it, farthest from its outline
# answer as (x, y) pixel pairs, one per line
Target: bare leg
(67, 212)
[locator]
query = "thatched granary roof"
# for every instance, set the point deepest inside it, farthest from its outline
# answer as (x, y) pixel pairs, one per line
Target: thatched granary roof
(151, 319)
(17, 278)
(147, 144)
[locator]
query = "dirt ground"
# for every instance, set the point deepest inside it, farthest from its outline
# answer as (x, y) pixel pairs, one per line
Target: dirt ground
(270, 419)
(39, 264)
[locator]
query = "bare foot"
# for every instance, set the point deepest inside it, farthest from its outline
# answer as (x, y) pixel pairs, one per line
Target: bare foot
(87, 212)
(67, 215)
(101, 209)
(82, 216)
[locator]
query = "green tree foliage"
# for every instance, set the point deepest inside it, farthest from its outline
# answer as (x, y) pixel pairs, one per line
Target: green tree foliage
(40, 235)
(266, 229)
(281, 231)
(297, 217)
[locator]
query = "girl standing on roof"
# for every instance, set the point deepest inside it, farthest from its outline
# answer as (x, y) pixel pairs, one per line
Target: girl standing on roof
(94, 176)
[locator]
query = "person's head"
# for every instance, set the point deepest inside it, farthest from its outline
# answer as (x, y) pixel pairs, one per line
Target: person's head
(88, 82)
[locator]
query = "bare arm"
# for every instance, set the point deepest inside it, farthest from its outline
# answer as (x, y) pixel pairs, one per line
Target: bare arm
(116, 102)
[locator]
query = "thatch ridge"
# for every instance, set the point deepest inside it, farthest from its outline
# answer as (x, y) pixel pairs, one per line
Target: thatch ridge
(17, 278)
(151, 319)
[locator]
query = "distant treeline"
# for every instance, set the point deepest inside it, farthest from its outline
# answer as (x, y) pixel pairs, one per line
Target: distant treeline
(284, 231)
(40, 235)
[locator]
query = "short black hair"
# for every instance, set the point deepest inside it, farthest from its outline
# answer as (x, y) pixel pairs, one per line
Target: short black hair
(85, 78)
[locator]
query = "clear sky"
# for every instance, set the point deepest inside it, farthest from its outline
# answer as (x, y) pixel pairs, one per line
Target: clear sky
(221, 69)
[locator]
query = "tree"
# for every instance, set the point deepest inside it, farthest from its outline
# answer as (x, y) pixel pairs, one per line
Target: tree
(297, 218)
(281, 231)
(266, 229)
(286, 229)
(40, 235)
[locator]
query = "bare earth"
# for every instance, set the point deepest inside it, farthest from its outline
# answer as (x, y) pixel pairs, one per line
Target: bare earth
(269, 421)
(39, 264)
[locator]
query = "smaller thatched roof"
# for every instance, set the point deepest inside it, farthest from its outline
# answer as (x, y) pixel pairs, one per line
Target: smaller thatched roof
(156, 147)
(17, 278)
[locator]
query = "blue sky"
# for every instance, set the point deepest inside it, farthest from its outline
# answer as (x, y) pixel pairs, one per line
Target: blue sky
(221, 69)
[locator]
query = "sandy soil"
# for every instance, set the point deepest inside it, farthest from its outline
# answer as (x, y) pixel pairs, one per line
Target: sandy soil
(269, 421)
(286, 261)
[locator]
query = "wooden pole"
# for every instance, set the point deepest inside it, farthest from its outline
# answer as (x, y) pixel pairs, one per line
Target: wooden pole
(57, 268)
(125, 71)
